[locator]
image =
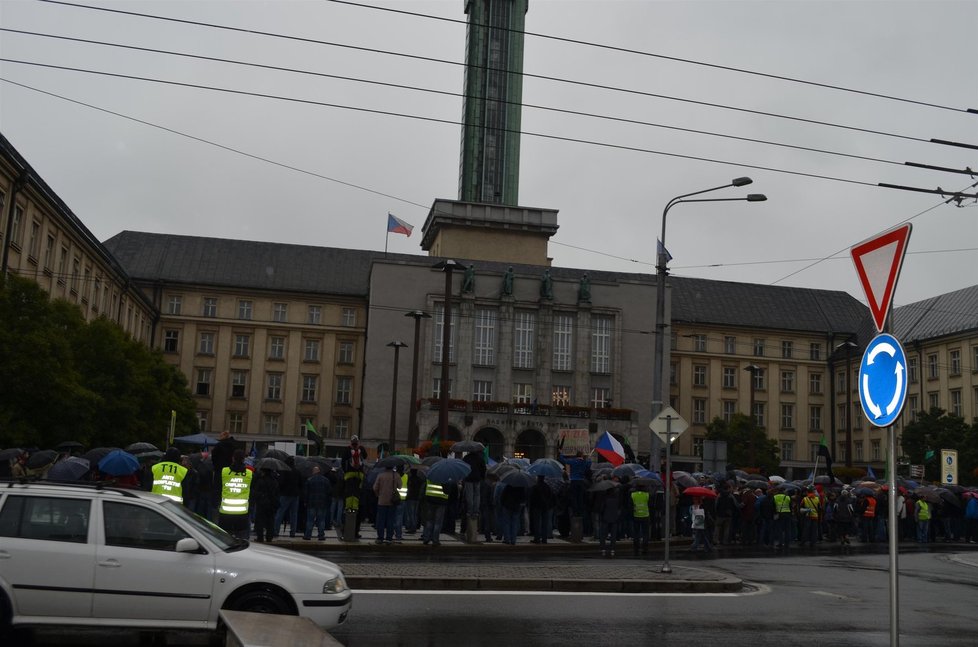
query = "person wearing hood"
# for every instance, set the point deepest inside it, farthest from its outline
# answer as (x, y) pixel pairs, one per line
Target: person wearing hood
(168, 476)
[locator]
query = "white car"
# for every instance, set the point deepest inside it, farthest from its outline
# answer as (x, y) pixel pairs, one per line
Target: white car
(109, 557)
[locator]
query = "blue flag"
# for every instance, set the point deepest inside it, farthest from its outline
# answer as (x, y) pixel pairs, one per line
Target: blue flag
(870, 474)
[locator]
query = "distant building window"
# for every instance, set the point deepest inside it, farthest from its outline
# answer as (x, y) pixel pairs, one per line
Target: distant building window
(787, 416)
(35, 241)
(310, 388)
(699, 343)
(280, 312)
(699, 411)
(171, 341)
(315, 315)
(561, 396)
(601, 344)
(815, 383)
(242, 345)
(311, 353)
(48, 251)
(349, 317)
(436, 388)
(759, 414)
(699, 375)
(840, 382)
(273, 386)
(16, 229)
(933, 401)
(815, 418)
(522, 393)
(728, 409)
(276, 347)
(787, 450)
(759, 383)
(730, 377)
(875, 448)
(758, 348)
(482, 391)
(174, 305)
(525, 337)
(730, 345)
(344, 390)
(209, 308)
(245, 309)
(438, 332)
(236, 422)
(239, 384)
(932, 366)
(206, 345)
(341, 427)
(815, 351)
(345, 354)
(485, 337)
(563, 342)
(956, 409)
(786, 349)
(912, 369)
(202, 421)
(203, 382)
(272, 424)
(600, 397)
(955, 357)
(787, 381)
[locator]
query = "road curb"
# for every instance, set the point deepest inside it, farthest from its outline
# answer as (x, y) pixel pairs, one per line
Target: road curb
(442, 583)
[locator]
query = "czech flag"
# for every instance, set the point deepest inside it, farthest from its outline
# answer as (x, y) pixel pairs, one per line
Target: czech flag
(397, 226)
(610, 449)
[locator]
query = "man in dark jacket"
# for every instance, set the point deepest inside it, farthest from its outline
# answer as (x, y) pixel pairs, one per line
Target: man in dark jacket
(264, 501)
(290, 487)
(542, 501)
(470, 486)
(318, 495)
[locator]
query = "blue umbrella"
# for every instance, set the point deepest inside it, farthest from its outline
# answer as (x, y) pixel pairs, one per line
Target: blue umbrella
(546, 467)
(118, 463)
(647, 474)
(449, 470)
(518, 479)
(70, 469)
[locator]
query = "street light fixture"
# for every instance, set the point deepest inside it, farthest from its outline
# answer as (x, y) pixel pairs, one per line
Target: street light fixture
(418, 315)
(662, 261)
(397, 346)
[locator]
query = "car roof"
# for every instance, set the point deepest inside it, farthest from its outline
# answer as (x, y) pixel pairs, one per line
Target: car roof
(80, 489)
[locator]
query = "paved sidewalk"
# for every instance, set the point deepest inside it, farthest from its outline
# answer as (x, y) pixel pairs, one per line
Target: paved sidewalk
(417, 566)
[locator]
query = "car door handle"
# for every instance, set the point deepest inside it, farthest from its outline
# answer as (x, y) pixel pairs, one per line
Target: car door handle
(110, 563)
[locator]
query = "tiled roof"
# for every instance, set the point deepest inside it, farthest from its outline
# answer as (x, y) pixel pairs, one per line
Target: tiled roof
(947, 314)
(764, 306)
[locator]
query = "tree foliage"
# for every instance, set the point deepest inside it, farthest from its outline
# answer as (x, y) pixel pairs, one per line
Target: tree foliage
(65, 379)
(738, 434)
(935, 430)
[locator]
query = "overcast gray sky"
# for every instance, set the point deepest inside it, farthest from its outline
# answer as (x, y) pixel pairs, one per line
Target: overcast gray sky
(334, 172)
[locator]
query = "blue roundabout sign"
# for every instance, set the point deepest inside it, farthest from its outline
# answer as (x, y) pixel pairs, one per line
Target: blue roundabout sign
(883, 380)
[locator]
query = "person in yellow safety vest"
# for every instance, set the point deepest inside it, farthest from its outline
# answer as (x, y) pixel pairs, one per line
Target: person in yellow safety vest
(921, 511)
(399, 506)
(168, 476)
(435, 499)
(782, 519)
(810, 518)
(640, 517)
(235, 495)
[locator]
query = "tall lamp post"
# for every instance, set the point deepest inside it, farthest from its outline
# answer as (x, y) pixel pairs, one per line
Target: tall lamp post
(446, 266)
(418, 315)
(752, 369)
(661, 269)
(397, 346)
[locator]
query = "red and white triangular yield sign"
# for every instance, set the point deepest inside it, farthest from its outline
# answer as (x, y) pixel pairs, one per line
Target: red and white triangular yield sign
(878, 261)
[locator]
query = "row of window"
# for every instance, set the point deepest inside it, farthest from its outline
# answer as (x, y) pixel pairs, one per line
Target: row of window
(246, 310)
(272, 424)
(787, 448)
(273, 387)
(954, 365)
(759, 347)
(241, 346)
(955, 403)
(788, 418)
(522, 393)
(524, 330)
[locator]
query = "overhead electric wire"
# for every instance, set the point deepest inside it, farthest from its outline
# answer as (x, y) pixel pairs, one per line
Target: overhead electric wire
(524, 74)
(400, 86)
(675, 59)
(391, 113)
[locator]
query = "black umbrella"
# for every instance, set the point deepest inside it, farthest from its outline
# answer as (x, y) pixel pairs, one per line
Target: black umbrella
(604, 485)
(141, 448)
(272, 463)
(467, 446)
(95, 455)
(275, 453)
(431, 460)
(68, 445)
(70, 469)
(10, 454)
(518, 478)
(41, 459)
(395, 460)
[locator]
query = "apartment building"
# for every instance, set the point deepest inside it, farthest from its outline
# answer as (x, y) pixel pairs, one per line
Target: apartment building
(43, 240)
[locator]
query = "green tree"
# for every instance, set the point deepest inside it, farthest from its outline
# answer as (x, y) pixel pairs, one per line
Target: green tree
(738, 434)
(65, 379)
(934, 430)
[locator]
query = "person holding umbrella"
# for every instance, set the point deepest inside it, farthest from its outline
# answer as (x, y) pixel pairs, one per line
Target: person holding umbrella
(607, 505)
(641, 513)
(699, 522)
(265, 498)
(542, 501)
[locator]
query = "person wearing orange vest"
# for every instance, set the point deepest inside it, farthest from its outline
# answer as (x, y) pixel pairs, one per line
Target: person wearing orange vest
(810, 515)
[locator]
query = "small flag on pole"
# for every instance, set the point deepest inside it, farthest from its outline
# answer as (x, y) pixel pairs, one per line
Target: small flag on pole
(661, 250)
(397, 226)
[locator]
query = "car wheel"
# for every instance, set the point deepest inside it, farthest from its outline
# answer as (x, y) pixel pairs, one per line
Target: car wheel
(262, 601)
(8, 633)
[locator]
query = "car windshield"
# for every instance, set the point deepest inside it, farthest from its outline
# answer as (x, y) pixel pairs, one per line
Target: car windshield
(214, 532)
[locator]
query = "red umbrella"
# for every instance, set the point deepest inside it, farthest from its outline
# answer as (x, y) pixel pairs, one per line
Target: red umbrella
(697, 490)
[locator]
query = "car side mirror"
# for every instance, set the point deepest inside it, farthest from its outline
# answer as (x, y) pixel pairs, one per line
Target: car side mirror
(187, 545)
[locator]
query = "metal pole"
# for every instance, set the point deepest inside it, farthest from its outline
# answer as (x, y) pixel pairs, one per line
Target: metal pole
(446, 340)
(892, 523)
(413, 410)
(391, 439)
(668, 487)
(848, 404)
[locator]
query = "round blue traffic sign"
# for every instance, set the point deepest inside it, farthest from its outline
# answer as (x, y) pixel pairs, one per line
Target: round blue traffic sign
(883, 380)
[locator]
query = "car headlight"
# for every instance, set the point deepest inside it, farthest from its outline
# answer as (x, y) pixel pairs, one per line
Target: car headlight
(335, 585)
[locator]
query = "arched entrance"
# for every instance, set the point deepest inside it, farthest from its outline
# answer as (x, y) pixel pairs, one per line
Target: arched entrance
(530, 444)
(454, 435)
(493, 439)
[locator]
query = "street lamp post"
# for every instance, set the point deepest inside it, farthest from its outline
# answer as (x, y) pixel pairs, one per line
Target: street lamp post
(397, 346)
(418, 315)
(752, 369)
(662, 260)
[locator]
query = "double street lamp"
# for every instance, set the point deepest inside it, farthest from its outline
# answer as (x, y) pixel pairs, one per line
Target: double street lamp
(658, 377)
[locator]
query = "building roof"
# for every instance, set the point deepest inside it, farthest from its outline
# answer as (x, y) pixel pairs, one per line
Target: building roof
(946, 314)
(247, 264)
(752, 305)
